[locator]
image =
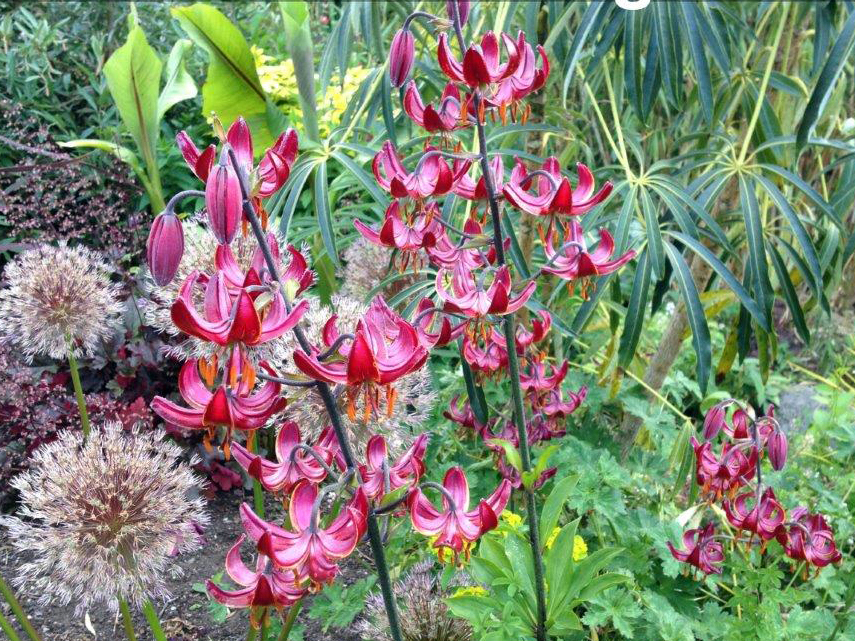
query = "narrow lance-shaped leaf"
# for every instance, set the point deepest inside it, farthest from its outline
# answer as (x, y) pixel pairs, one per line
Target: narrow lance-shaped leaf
(789, 293)
(322, 211)
(695, 314)
(757, 261)
(635, 311)
(700, 59)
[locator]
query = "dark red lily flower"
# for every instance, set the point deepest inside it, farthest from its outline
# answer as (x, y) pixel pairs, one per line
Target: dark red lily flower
(384, 348)
(407, 232)
(809, 538)
(553, 195)
(165, 247)
(572, 261)
(445, 118)
(380, 476)
(463, 415)
(232, 407)
(540, 377)
(481, 64)
(261, 588)
(464, 291)
(763, 518)
(540, 327)
(455, 526)
(223, 200)
(425, 321)
(401, 56)
(553, 406)
(723, 475)
(296, 278)
(462, 9)
(431, 177)
(275, 166)
(308, 547)
(200, 163)
(232, 318)
(776, 447)
(293, 464)
(471, 190)
(700, 550)
(487, 356)
(449, 255)
(525, 80)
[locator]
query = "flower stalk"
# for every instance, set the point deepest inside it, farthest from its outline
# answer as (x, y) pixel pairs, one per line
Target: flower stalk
(508, 323)
(153, 621)
(6, 626)
(127, 622)
(373, 529)
(78, 389)
(18, 611)
(293, 611)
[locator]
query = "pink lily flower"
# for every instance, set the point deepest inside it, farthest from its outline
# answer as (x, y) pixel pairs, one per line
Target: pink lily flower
(726, 474)
(401, 56)
(261, 588)
(526, 79)
(449, 255)
(419, 230)
(481, 64)
(380, 476)
(165, 247)
(455, 526)
(553, 195)
(554, 407)
(308, 547)
(463, 291)
(471, 190)
(540, 327)
(572, 261)
(488, 356)
(540, 377)
(443, 119)
(463, 415)
(297, 272)
(230, 407)
(293, 464)
(231, 318)
(762, 519)
(809, 538)
(200, 163)
(700, 550)
(425, 321)
(431, 177)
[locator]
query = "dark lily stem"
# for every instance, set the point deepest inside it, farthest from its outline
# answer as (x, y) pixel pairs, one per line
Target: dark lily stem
(293, 611)
(127, 621)
(78, 389)
(332, 410)
(508, 324)
(756, 435)
(18, 611)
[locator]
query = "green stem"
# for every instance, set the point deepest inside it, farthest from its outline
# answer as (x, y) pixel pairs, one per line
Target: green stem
(127, 622)
(18, 611)
(293, 611)
(6, 626)
(844, 613)
(251, 633)
(513, 362)
(78, 390)
(257, 490)
(153, 621)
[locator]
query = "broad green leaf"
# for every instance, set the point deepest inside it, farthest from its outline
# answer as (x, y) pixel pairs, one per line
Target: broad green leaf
(554, 505)
(512, 454)
(600, 583)
(559, 566)
(178, 84)
(232, 87)
(635, 311)
(133, 77)
(583, 573)
(695, 314)
(827, 79)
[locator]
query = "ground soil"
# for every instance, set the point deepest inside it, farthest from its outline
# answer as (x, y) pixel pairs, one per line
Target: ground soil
(185, 616)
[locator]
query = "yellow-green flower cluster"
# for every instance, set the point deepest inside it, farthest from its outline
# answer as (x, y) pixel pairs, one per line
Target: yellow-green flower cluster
(580, 548)
(280, 82)
(470, 590)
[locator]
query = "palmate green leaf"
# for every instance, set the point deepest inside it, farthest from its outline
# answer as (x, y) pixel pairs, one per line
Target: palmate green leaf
(293, 188)
(322, 211)
(232, 87)
(789, 293)
(807, 190)
(757, 261)
(693, 32)
(827, 78)
(133, 77)
(178, 84)
(634, 319)
(364, 178)
(590, 23)
(695, 314)
(632, 32)
(654, 234)
(671, 50)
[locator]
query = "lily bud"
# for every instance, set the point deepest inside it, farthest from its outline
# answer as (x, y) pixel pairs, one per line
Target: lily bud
(777, 449)
(462, 8)
(223, 200)
(401, 56)
(713, 421)
(165, 247)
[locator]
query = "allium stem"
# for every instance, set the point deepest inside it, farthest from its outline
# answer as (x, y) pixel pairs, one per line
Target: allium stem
(153, 621)
(8, 629)
(18, 611)
(293, 611)
(331, 407)
(78, 389)
(127, 622)
(508, 323)
(257, 490)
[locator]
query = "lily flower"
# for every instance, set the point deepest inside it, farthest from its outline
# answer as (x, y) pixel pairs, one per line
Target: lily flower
(700, 550)
(297, 277)
(463, 415)
(230, 407)
(526, 79)
(471, 190)
(200, 163)
(445, 118)
(763, 519)
(384, 348)
(540, 377)
(223, 200)
(231, 318)
(809, 538)
(424, 320)
(488, 356)
(380, 476)
(481, 64)
(465, 292)
(293, 464)
(408, 233)
(572, 261)
(553, 195)
(401, 55)
(431, 177)
(455, 526)
(449, 255)
(308, 547)
(165, 247)
(553, 406)
(723, 475)
(261, 588)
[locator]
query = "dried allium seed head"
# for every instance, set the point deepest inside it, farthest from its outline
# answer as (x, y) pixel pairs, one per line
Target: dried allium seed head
(424, 613)
(199, 249)
(367, 265)
(101, 518)
(416, 396)
(56, 292)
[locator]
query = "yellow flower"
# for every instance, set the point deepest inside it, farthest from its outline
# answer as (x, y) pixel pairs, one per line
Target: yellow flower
(580, 548)
(513, 520)
(471, 590)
